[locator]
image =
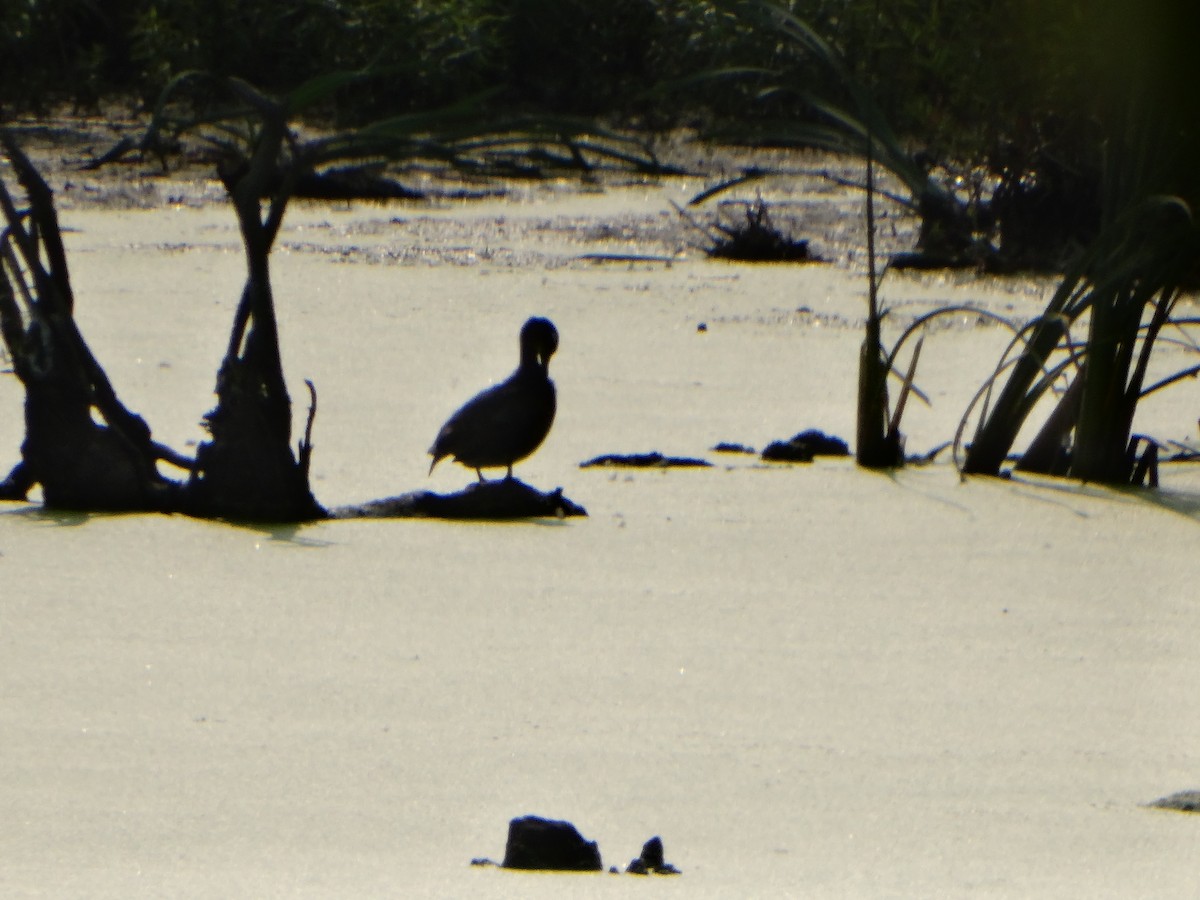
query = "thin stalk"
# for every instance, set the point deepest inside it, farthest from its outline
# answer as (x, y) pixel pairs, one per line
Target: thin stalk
(876, 447)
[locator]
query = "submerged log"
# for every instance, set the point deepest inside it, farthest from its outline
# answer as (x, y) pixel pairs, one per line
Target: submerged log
(482, 500)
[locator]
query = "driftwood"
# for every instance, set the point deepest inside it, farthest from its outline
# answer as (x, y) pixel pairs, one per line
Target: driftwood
(248, 470)
(82, 445)
(493, 500)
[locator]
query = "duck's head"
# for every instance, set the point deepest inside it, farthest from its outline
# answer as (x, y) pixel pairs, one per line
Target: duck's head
(539, 340)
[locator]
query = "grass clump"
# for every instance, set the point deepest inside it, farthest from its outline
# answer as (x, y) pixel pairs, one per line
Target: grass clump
(750, 237)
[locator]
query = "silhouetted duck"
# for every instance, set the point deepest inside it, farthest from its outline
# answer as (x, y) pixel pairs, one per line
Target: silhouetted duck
(505, 423)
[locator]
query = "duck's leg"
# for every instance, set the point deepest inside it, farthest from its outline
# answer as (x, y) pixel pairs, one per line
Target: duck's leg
(509, 476)
(479, 472)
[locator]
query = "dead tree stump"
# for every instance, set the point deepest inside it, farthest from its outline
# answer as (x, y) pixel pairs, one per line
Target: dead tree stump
(85, 449)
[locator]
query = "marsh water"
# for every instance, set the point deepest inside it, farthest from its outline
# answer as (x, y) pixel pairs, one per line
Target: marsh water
(809, 680)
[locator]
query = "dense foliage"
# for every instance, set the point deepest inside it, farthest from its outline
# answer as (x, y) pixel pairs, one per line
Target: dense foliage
(961, 74)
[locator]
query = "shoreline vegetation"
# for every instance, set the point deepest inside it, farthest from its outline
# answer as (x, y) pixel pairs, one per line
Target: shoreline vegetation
(1016, 85)
(1017, 130)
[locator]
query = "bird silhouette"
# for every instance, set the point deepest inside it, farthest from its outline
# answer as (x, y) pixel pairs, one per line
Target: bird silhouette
(507, 422)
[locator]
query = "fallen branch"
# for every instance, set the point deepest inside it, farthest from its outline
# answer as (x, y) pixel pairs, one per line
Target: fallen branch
(509, 498)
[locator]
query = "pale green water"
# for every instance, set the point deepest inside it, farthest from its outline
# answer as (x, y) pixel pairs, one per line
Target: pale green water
(810, 681)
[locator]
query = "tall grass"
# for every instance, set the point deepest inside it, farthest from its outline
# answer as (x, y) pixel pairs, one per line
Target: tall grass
(877, 437)
(849, 121)
(1138, 81)
(1127, 287)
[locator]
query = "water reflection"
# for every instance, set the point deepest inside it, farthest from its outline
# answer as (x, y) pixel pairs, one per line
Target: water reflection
(285, 533)
(42, 515)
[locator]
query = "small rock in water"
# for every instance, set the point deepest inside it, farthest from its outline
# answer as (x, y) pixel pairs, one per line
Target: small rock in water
(651, 862)
(804, 446)
(546, 844)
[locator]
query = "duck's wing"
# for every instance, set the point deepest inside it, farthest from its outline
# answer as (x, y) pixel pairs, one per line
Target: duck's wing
(499, 425)
(480, 415)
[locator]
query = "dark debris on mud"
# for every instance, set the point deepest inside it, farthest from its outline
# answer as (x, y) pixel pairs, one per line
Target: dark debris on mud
(652, 460)
(1181, 801)
(805, 446)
